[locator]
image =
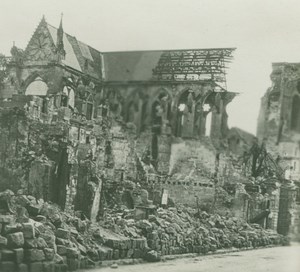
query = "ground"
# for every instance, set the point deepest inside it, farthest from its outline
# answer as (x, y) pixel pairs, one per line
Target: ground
(279, 259)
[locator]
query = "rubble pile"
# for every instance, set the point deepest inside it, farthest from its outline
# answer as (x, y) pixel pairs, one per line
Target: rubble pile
(184, 230)
(38, 236)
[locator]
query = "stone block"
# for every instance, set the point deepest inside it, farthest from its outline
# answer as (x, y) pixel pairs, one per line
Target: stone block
(61, 250)
(22, 267)
(41, 218)
(62, 233)
(28, 231)
(3, 241)
(6, 219)
(83, 263)
(30, 243)
(58, 259)
(34, 255)
(12, 228)
(73, 264)
(35, 243)
(8, 267)
(36, 267)
(116, 254)
(48, 267)
(137, 253)
(41, 243)
(60, 268)
(15, 240)
(72, 252)
(33, 210)
(49, 253)
(82, 249)
(49, 238)
(19, 255)
(7, 255)
(63, 242)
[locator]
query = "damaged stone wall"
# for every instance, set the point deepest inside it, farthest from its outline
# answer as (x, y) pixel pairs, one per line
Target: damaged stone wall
(278, 127)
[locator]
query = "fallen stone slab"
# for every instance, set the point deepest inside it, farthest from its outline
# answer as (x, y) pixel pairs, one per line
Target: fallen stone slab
(8, 267)
(28, 231)
(34, 255)
(15, 240)
(62, 233)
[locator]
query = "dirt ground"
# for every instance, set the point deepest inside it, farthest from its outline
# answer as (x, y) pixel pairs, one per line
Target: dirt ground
(279, 259)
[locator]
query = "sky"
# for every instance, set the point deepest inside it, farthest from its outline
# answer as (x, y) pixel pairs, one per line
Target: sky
(263, 31)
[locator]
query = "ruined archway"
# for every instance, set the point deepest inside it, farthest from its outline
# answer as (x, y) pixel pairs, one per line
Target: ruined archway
(160, 109)
(37, 87)
(185, 114)
(295, 116)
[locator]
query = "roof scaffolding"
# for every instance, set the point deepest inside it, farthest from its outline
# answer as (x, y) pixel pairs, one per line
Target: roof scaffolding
(195, 64)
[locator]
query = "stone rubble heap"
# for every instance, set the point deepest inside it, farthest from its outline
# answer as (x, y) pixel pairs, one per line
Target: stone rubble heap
(39, 237)
(179, 231)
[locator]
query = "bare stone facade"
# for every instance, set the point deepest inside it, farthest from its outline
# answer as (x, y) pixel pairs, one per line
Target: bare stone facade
(278, 127)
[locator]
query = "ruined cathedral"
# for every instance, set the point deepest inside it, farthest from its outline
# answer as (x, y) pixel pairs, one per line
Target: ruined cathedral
(87, 130)
(154, 116)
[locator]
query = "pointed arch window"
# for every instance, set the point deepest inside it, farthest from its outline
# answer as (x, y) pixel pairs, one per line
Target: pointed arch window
(37, 87)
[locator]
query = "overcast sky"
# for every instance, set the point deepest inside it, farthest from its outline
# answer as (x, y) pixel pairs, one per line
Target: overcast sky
(263, 31)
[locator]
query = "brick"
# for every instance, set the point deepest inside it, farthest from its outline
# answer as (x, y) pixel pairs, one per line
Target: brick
(60, 268)
(3, 241)
(22, 267)
(15, 240)
(6, 219)
(36, 267)
(48, 267)
(49, 253)
(116, 254)
(61, 250)
(19, 255)
(28, 231)
(72, 252)
(73, 264)
(12, 228)
(34, 255)
(7, 255)
(8, 267)
(33, 210)
(62, 233)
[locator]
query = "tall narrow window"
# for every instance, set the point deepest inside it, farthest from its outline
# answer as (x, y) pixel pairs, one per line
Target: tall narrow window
(89, 108)
(295, 118)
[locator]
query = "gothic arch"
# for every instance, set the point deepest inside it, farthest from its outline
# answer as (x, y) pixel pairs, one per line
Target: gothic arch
(185, 108)
(161, 106)
(37, 87)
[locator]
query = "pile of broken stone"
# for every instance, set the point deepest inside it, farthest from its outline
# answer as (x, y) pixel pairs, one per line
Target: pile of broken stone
(186, 230)
(38, 236)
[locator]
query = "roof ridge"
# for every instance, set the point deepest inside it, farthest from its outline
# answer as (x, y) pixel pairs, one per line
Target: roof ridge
(74, 37)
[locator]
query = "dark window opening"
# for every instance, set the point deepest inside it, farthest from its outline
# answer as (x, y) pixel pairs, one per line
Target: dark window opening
(64, 101)
(154, 150)
(87, 139)
(295, 119)
(298, 87)
(45, 106)
(89, 111)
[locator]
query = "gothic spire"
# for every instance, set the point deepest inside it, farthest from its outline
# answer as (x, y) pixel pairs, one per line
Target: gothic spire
(60, 41)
